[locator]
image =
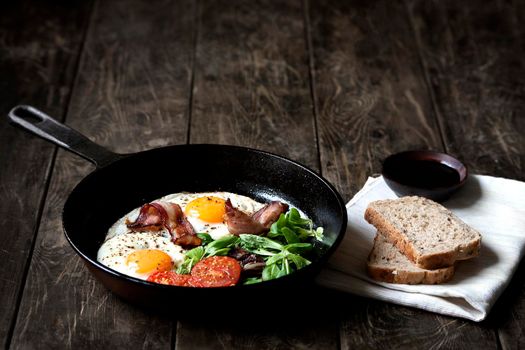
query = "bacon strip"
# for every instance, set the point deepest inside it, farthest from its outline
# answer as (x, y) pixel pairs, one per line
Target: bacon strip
(152, 217)
(184, 234)
(269, 214)
(162, 215)
(239, 222)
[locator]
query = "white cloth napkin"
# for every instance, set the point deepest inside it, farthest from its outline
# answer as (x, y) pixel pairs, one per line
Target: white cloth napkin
(493, 206)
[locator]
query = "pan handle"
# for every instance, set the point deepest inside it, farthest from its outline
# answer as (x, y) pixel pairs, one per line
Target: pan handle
(37, 122)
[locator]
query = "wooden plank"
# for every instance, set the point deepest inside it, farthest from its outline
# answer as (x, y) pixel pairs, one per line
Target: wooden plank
(371, 101)
(473, 58)
(377, 325)
(472, 55)
(252, 89)
(251, 83)
(37, 65)
(132, 93)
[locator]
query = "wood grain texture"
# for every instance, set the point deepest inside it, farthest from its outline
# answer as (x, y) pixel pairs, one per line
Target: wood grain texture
(132, 93)
(378, 325)
(386, 76)
(371, 101)
(472, 55)
(252, 89)
(251, 79)
(37, 65)
(370, 96)
(473, 58)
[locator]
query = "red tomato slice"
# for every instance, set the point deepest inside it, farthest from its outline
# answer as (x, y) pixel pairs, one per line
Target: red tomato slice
(215, 271)
(169, 277)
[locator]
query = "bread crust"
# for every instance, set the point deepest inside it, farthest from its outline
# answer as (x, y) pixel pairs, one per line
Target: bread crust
(393, 275)
(426, 261)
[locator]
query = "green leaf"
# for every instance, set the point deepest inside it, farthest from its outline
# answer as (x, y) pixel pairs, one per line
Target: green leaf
(221, 246)
(270, 272)
(223, 242)
(276, 258)
(292, 222)
(299, 261)
(289, 235)
(191, 258)
(253, 280)
(206, 238)
(281, 222)
(195, 253)
(220, 251)
(253, 242)
(299, 248)
(275, 231)
(294, 218)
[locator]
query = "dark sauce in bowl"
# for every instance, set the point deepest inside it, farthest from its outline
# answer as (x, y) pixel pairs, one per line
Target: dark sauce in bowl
(424, 173)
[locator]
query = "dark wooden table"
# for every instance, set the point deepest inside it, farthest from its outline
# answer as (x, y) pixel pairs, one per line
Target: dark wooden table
(335, 85)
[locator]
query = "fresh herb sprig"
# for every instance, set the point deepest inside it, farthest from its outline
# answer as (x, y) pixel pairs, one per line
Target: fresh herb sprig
(292, 228)
(281, 259)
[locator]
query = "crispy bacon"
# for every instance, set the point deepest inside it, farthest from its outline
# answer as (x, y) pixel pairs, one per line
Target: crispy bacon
(184, 234)
(239, 222)
(152, 217)
(269, 214)
(163, 215)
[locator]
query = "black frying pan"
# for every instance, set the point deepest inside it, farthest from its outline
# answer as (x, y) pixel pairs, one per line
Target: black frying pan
(123, 182)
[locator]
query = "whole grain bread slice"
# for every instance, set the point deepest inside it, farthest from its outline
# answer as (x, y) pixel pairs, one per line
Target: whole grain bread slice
(387, 264)
(430, 235)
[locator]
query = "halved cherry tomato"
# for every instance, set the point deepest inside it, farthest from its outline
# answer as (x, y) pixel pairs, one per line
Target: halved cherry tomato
(169, 277)
(215, 271)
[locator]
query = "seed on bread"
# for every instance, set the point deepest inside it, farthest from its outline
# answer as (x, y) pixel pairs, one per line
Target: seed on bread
(430, 235)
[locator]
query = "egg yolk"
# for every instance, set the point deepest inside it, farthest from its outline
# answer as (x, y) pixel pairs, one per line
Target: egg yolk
(150, 260)
(209, 209)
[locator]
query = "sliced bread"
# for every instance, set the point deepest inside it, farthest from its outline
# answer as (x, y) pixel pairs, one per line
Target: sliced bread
(387, 264)
(430, 235)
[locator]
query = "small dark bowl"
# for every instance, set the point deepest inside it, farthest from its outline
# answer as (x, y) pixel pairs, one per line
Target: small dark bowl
(427, 174)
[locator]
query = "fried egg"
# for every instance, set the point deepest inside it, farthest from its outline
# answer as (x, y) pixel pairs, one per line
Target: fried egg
(139, 254)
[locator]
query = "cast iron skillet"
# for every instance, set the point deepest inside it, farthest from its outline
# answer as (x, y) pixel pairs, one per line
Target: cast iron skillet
(123, 182)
